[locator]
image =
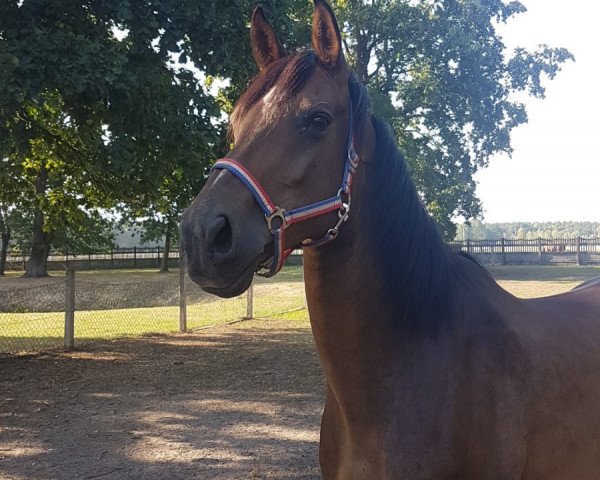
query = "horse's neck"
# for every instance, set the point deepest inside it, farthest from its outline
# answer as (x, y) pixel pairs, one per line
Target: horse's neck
(362, 338)
(371, 366)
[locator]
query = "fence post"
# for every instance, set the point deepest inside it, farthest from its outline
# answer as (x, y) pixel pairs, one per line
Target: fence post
(250, 302)
(540, 250)
(70, 310)
(578, 244)
(503, 251)
(158, 255)
(134, 257)
(182, 291)
(112, 258)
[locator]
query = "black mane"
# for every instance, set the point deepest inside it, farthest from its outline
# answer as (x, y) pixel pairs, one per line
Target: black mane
(407, 245)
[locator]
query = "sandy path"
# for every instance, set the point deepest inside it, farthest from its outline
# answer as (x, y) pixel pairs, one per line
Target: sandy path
(233, 402)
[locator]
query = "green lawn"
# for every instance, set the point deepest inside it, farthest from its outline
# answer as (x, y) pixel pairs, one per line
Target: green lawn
(281, 297)
(530, 282)
(21, 332)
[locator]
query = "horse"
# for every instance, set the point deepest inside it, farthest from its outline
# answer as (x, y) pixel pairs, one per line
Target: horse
(432, 370)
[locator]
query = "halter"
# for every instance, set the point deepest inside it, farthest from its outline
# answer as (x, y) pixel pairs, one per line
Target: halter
(279, 219)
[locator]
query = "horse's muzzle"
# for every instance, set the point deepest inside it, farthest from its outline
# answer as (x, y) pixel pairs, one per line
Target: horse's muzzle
(224, 239)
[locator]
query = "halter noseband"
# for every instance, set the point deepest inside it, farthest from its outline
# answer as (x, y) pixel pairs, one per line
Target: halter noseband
(279, 219)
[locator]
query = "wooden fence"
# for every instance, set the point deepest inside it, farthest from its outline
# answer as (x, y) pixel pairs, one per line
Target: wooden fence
(542, 251)
(118, 258)
(136, 257)
(502, 251)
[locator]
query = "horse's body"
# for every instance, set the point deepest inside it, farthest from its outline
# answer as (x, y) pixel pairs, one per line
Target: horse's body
(509, 392)
(433, 371)
(510, 389)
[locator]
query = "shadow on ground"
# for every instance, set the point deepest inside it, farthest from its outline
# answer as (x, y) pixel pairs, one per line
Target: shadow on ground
(230, 403)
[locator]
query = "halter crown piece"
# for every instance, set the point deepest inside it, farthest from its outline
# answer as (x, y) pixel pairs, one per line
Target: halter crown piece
(282, 218)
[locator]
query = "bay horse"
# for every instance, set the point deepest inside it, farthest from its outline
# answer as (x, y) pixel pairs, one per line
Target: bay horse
(433, 371)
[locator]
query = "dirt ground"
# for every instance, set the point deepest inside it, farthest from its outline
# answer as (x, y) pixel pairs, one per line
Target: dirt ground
(234, 402)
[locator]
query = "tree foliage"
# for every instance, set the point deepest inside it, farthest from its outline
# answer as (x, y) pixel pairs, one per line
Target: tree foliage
(92, 110)
(437, 71)
(114, 104)
(478, 230)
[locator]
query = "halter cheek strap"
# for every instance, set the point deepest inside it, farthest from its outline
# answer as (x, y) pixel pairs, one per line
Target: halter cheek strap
(278, 219)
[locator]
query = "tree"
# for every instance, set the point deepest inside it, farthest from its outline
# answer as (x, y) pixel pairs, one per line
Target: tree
(91, 119)
(93, 97)
(5, 234)
(437, 72)
(11, 203)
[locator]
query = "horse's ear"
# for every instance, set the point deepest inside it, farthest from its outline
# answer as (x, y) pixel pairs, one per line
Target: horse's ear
(265, 45)
(326, 37)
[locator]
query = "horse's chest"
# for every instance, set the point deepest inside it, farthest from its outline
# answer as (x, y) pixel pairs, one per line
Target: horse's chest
(392, 444)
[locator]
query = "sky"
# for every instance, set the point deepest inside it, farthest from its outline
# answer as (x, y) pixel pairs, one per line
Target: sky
(554, 172)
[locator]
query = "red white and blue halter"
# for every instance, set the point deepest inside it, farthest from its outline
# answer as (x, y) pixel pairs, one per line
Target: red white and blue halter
(278, 219)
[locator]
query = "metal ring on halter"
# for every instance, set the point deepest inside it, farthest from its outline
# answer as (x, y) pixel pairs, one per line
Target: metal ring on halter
(345, 208)
(279, 213)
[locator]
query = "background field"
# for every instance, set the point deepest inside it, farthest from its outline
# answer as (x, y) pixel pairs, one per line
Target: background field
(530, 282)
(113, 304)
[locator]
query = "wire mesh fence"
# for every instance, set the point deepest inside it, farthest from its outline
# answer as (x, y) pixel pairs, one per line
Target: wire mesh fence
(31, 315)
(279, 295)
(112, 304)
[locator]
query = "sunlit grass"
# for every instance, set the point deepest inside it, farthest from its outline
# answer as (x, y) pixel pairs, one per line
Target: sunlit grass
(534, 281)
(282, 297)
(40, 331)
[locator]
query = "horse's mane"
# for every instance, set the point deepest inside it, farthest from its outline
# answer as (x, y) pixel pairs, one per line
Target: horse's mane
(406, 243)
(289, 74)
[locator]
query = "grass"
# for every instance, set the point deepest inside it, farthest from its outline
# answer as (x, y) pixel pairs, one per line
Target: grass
(20, 332)
(531, 282)
(13, 274)
(281, 297)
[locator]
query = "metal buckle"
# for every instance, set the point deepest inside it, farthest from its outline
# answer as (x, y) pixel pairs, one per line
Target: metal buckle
(345, 208)
(279, 213)
(332, 233)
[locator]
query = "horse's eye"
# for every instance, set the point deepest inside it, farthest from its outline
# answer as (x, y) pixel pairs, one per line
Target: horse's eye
(320, 122)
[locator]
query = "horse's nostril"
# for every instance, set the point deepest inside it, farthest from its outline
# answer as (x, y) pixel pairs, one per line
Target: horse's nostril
(219, 236)
(223, 238)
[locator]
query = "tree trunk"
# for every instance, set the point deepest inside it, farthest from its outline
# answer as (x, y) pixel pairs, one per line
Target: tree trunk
(164, 266)
(40, 248)
(40, 245)
(4, 238)
(363, 55)
(4, 252)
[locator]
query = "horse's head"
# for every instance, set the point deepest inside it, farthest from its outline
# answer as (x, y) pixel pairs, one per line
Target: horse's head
(291, 130)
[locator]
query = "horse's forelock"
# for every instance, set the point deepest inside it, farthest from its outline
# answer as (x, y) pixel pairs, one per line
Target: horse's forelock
(286, 76)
